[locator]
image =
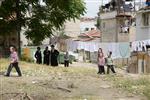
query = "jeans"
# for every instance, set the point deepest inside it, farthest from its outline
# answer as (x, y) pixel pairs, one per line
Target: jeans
(15, 65)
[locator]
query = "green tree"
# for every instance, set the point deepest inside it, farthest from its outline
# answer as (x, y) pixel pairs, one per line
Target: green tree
(40, 19)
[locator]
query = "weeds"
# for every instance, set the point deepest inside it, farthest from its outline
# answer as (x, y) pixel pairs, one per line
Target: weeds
(136, 86)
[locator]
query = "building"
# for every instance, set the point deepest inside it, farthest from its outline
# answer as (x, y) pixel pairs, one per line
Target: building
(87, 24)
(143, 24)
(117, 22)
(116, 27)
(140, 58)
(72, 28)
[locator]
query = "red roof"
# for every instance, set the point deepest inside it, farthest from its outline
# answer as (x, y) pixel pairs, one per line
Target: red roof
(91, 34)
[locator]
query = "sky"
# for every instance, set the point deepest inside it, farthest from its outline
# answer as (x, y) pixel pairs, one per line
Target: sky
(92, 7)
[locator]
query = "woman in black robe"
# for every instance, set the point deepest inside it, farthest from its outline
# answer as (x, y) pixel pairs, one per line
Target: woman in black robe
(54, 56)
(46, 56)
(38, 56)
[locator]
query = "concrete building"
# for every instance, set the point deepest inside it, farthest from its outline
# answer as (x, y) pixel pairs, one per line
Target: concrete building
(87, 24)
(117, 20)
(72, 28)
(143, 24)
(116, 27)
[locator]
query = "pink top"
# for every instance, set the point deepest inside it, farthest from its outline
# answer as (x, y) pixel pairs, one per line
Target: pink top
(101, 61)
(14, 57)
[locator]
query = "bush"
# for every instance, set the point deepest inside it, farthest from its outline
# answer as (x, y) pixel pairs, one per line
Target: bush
(26, 58)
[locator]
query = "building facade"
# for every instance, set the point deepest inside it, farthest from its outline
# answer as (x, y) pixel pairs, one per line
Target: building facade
(143, 24)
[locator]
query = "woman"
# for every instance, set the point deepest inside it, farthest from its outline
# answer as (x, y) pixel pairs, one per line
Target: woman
(38, 56)
(46, 54)
(13, 62)
(54, 56)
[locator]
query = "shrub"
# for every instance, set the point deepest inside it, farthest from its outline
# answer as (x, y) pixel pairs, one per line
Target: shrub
(26, 58)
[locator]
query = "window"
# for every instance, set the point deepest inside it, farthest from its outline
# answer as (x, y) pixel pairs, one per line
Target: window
(145, 19)
(86, 29)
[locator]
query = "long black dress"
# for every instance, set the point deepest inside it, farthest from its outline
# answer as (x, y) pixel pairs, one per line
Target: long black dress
(46, 57)
(54, 56)
(38, 57)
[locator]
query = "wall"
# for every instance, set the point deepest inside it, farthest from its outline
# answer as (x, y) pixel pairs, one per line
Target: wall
(142, 32)
(132, 35)
(108, 27)
(72, 28)
(87, 24)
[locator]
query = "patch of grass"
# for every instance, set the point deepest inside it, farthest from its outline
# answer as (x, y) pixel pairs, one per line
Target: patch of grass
(136, 86)
(32, 69)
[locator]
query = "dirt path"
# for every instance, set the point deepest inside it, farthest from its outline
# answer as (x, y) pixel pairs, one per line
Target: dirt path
(63, 86)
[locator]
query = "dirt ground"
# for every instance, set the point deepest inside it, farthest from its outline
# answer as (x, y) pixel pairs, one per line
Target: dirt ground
(78, 82)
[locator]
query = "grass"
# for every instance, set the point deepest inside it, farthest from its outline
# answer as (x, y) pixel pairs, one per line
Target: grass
(43, 83)
(140, 86)
(31, 69)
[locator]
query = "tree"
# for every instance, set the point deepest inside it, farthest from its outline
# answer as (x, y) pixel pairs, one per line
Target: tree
(39, 17)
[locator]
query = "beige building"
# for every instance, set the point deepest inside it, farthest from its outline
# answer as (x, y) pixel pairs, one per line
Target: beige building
(117, 27)
(143, 24)
(72, 28)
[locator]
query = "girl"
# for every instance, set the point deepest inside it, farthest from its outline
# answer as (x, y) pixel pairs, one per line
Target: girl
(101, 63)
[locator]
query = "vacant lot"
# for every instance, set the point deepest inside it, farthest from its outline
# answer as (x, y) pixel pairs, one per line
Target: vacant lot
(40, 82)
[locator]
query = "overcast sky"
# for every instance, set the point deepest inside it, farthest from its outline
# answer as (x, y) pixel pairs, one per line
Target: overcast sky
(93, 7)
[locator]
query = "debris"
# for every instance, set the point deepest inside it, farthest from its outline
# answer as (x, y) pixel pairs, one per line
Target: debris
(64, 89)
(27, 96)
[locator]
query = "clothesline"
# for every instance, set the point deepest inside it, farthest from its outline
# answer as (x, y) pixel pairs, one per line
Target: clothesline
(140, 45)
(119, 50)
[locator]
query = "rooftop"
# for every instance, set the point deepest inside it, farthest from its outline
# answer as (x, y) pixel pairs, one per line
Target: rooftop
(90, 35)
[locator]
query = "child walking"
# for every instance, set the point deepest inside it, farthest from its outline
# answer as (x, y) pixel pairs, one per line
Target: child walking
(110, 63)
(13, 62)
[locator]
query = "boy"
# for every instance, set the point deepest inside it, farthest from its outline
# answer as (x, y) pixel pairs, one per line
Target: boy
(66, 59)
(110, 63)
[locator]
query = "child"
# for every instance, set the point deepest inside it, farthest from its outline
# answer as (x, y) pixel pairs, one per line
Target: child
(66, 59)
(110, 63)
(101, 63)
(13, 62)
